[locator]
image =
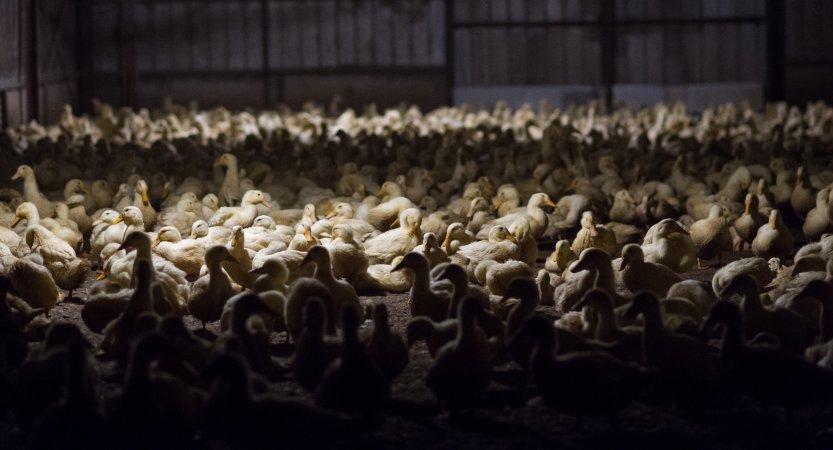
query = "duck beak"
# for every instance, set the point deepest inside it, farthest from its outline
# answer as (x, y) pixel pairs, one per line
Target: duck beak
(101, 275)
(447, 240)
(380, 192)
(623, 265)
(397, 267)
(549, 202)
(17, 175)
(155, 243)
(119, 219)
(259, 270)
(123, 246)
(145, 199)
(306, 260)
(330, 214)
(16, 221)
(231, 258)
(498, 202)
(512, 238)
(84, 188)
(217, 161)
(395, 224)
(265, 203)
(308, 235)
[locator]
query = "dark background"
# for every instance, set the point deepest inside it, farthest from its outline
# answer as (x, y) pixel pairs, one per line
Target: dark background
(258, 53)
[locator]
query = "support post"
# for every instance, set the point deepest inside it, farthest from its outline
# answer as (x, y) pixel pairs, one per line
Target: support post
(775, 50)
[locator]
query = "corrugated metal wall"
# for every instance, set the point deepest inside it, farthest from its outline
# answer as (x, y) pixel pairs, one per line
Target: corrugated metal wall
(260, 52)
(52, 75)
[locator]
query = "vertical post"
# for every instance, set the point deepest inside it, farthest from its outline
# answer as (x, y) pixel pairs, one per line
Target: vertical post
(84, 54)
(127, 52)
(449, 50)
(775, 50)
(607, 22)
(31, 58)
(264, 14)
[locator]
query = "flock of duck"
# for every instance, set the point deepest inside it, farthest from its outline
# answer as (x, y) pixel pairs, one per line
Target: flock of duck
(278, 225)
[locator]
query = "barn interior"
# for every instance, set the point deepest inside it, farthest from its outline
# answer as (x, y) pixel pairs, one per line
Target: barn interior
(416, 224)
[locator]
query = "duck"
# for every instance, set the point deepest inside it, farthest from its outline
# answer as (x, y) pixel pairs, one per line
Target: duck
(346, 253)
(497, 276)
(343, 213)
(142, 201)
(68, 272)
(500, 247)
(794, 331)
(817, 222)
(119, 333)
(535, 213)
(385, 346)
(774, 239)
(601, 385)
(757, 267)
(301, 292)
(423, 299)
(430, 247)
(133, 220)
(238, 270)
(683, 361)
(456, 236)
(669, 244)
(211, 292)
(382, 278)
(765, 372)
(527, 245)
(353, 383)
(33, 282)
(31, 193)
(747, 225)
(243, 215)
(592, 235)
(396, 242)
(230, 189)
(461, 370)
(561, 257)
(640, 275)
(711, 235)
(64, 228)
(234, 412)
(344, 295)
(314, 350)
(107, 229)
(801, 198)
(183, 216)
(186, 254)
(625, 341)
(382, 216)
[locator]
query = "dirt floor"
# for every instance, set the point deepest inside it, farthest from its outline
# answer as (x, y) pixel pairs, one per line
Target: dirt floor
(512, 418)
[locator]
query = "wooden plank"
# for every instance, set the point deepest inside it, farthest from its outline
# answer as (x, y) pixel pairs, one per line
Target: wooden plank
(437, 32)
(307, 29)
(536, 37)
(591, 56)
(420, 36)
(479, 10)
(327, 20)
(555, 9)
(498, 9)
(654, 60)
(517, 10)
(179, 23)
(400, 36)
(674, 59)
(498, 58)
(555, 49)
(200, 16)
(346, 39)
(572, 10)
(382, 30)
(462, 58)
(573, 57)
(364, 29)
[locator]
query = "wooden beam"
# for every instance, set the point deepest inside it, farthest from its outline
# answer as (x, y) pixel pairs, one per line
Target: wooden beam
(775, 50)
(31, 60)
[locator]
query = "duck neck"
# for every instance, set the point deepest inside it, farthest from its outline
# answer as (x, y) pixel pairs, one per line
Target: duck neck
(606, 326)
(30, 187)
(422, 284)
(732, 340)
(826, 318)
(324, 272)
